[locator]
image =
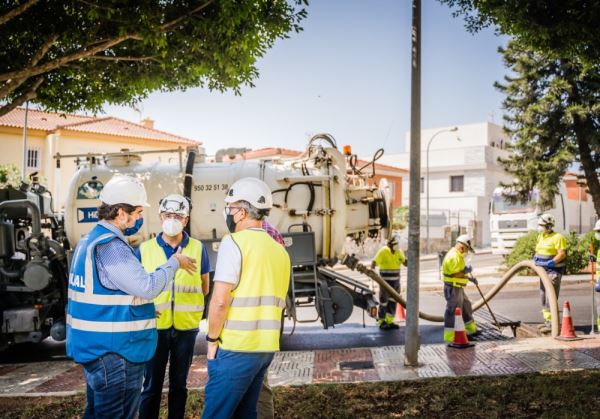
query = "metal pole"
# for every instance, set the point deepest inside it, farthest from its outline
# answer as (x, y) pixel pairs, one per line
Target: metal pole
(414, 222)
(579, 187)
(25, 154)
(427, 250)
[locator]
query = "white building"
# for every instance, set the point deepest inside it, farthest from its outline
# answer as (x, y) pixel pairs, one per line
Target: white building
(463, 172)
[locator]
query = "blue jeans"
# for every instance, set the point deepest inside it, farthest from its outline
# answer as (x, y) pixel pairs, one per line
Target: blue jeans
(234, 382)
(177, 347)
(113, 387)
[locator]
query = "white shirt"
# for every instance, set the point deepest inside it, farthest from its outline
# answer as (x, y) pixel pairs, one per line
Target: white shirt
(229, 261)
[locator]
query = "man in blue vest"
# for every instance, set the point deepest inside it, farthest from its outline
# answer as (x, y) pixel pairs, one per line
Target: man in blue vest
(111, 325)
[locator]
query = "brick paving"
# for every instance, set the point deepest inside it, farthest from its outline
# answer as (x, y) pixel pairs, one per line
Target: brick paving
(347, 365)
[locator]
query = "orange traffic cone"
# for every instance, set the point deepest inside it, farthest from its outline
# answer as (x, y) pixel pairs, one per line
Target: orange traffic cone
(567, 331)
(460, 336)
(400, 313)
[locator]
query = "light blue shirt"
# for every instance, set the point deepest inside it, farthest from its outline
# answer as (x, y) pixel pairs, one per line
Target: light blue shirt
(118, 268)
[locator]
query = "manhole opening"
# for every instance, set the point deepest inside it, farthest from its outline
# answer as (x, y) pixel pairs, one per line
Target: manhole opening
(356, 365)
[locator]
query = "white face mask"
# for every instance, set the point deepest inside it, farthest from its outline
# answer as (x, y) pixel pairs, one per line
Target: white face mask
(597, 235)
(172, 227)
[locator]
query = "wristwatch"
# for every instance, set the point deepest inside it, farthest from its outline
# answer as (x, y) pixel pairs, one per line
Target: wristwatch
(211, 340)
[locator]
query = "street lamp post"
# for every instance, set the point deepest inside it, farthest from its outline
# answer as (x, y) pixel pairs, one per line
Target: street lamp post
(580, 183)
(453, 129)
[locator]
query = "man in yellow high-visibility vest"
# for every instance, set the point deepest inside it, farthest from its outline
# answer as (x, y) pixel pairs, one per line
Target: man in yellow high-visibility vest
(179, 309)
(389, 259)
(550, 254)
(251, 282)
(455, 274)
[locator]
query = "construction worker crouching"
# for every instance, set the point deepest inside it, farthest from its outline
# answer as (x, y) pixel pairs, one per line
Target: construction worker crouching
(251, 282)
(179, 309)
(455, 274)
(550, 254)
(389, 259)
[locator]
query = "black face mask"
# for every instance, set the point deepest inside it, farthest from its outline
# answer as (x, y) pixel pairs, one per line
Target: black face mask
(230, 223)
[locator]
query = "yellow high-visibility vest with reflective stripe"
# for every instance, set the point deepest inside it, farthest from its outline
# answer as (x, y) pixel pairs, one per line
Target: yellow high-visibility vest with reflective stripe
(254, 318)
(548, 245)
(454, 262)
(389, 263)
(182, 306)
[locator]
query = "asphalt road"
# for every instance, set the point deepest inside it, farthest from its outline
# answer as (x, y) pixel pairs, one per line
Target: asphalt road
(520, 302)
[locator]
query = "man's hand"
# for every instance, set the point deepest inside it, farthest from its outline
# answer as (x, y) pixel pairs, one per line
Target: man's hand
(550, 264)
(211, 350)
(186, 263)
(158, 314)
(473, 280)
(592, 258)
(468, 269)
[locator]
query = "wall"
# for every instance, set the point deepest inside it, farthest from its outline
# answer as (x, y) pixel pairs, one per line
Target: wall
(78, 143)
(12, 148)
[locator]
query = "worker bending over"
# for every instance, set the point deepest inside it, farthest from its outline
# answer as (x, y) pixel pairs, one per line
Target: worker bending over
(389, 259)
(550, 254)
(455, 275)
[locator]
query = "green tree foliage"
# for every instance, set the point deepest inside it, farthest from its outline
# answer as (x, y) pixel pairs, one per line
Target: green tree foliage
(565, 28)
(78, 54)
(10, 175)
(553, 115)
(577, 251)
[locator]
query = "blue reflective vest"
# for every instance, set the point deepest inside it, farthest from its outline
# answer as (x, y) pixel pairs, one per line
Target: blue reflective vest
(101, 320)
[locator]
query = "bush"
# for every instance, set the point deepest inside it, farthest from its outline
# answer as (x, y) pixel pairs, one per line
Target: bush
(577, 250)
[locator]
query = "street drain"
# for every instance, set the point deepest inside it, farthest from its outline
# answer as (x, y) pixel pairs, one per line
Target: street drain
(356, 365)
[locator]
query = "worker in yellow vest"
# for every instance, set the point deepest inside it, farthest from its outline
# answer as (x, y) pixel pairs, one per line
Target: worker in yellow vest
(251, 282)
(456, 276)
(389, 259)
(550, 254)
(179, 309)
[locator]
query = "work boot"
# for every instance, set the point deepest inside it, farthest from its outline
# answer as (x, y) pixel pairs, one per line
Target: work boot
(472, 338)
(393, 326)
(383, 325)
(476, 333)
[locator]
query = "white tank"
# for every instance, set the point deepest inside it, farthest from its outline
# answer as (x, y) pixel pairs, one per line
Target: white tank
(337, 206)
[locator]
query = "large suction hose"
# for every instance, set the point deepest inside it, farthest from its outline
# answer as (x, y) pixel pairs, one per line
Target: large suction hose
(353, 263)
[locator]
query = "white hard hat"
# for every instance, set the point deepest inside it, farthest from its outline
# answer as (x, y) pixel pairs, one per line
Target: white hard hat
(546, 220)
(597, 226)
(122, 189)
(252, 190)
(466, 240)
(176, 204)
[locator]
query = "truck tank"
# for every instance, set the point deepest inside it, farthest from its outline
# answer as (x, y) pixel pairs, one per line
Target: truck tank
(317, 191)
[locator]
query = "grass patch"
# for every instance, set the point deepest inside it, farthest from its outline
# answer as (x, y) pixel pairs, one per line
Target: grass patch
(562, 394)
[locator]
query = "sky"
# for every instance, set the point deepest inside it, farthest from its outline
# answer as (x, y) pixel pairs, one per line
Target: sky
(346, 74)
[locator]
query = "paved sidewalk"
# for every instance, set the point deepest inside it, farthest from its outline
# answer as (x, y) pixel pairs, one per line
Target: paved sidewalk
(347, 365)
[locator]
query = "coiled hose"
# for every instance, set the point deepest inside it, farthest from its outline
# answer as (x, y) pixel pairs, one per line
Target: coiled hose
(352, 263)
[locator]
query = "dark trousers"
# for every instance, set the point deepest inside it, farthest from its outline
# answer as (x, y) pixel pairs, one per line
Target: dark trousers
(234, 384)
(113, 387)
(176, 347)
(456, 297)
(555, 277)
(387, 305)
